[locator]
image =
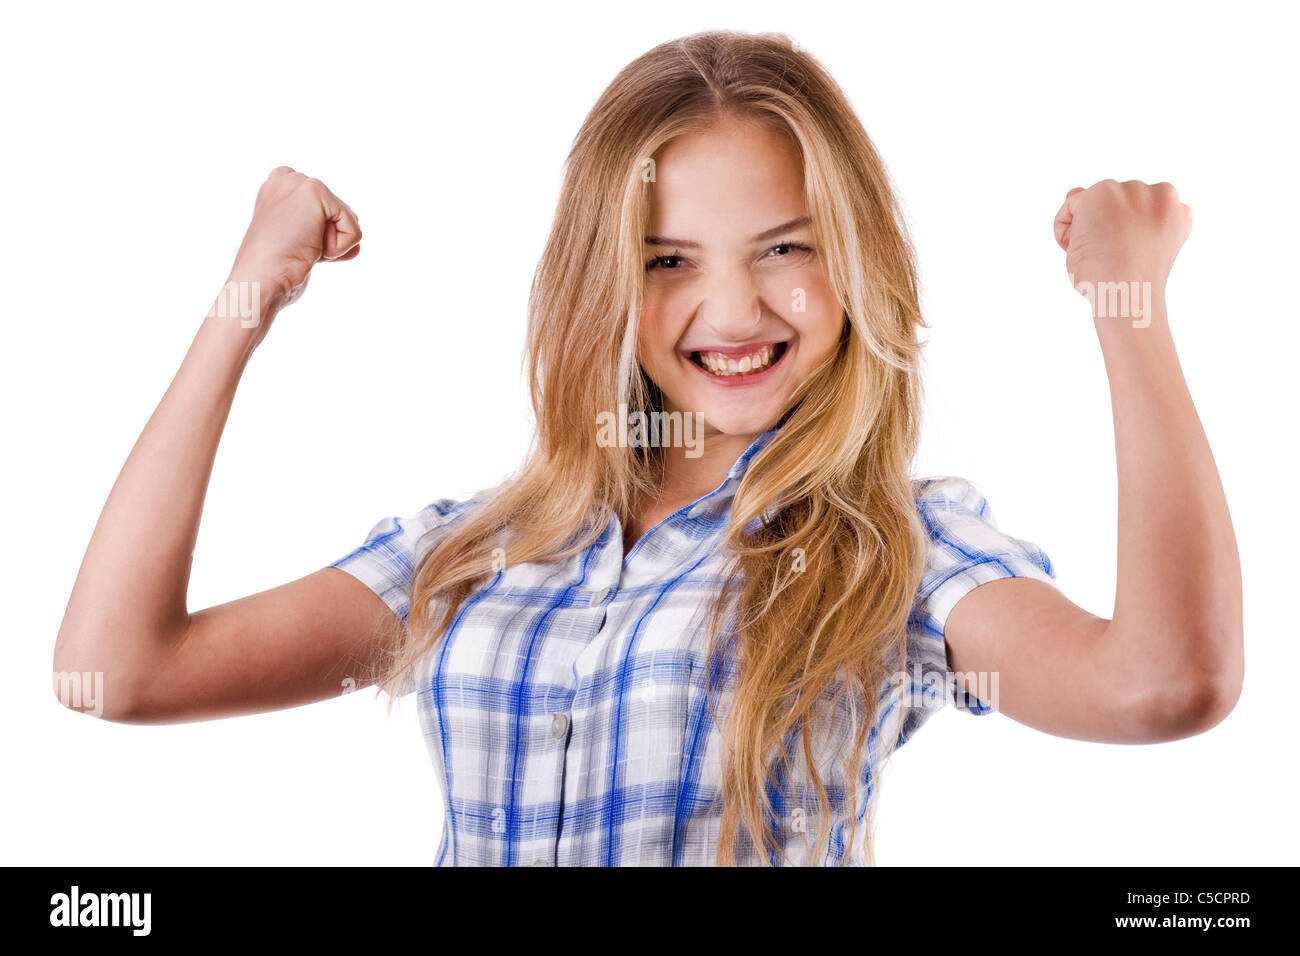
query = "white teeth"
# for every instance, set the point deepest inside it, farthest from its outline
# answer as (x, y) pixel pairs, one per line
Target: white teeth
(723, 365)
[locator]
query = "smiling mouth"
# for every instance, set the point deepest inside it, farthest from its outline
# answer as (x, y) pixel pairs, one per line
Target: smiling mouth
(739, 365)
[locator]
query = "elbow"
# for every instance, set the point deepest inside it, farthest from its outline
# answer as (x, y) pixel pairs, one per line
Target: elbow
(81, 691)
(87, 689)
(1191, 704)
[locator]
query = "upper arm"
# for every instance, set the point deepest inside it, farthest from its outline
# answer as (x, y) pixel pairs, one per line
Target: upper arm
(304, 641)
(1071, 673)
(308, 640)
(991, 622)
(1053, 661)
(991, 615)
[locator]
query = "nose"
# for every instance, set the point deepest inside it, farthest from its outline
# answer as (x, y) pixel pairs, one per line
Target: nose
(731, 306)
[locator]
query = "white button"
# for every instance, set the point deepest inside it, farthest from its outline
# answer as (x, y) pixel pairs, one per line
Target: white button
(559, 724)
(541, 862)
(599, 596)
(697, 510)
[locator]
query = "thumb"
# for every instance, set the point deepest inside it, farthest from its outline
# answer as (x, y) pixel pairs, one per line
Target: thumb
(342, 233)
(350, 254)
(1065, 219)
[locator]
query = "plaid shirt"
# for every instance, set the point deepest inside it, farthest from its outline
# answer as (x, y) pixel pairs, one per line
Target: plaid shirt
(565, 709)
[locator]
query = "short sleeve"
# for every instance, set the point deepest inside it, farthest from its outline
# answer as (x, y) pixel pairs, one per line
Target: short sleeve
(965, 549)
(386, 561)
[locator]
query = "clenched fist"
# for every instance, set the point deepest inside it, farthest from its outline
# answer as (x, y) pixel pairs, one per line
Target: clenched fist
(297, 222)
(1122, 232)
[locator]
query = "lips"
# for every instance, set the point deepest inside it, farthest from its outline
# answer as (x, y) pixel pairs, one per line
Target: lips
(738, 365)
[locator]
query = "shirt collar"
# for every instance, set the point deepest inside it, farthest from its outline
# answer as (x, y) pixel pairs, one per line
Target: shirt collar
(737, 471)
(714, 506)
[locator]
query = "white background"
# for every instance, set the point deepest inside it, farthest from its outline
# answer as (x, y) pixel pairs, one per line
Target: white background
(136, 138)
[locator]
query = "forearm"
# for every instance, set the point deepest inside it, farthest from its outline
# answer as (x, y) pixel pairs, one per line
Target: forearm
(1178, 606)
(130, 593)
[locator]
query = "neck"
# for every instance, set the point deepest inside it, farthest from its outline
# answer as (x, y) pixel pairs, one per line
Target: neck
(686, 479)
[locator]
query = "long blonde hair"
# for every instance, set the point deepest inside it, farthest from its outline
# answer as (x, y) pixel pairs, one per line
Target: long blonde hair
(837, 471)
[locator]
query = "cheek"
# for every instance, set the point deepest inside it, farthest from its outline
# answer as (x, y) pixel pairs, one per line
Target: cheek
(655, 338)
(804, 298)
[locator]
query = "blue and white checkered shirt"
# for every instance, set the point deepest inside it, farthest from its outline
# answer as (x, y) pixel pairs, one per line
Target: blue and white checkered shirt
(565, 709)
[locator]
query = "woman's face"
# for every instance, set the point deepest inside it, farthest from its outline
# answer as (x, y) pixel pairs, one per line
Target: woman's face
(738, 305)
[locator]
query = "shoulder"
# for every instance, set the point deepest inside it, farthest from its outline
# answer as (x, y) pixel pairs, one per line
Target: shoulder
(391, 551)
(965, 549)
(948, 493)
(964, 535)
(414, 527)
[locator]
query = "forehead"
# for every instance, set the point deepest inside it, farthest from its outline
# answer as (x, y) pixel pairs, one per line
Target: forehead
(734, 180)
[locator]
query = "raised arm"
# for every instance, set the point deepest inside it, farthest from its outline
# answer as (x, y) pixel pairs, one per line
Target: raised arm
(1169, 662)
(127, 629)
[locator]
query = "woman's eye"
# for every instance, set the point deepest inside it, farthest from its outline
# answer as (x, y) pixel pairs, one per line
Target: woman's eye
(786, 249)
(664, 262)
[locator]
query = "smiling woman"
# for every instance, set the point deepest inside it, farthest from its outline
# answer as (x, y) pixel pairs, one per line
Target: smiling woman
(722, 637)
(741, 310)
(699, 648)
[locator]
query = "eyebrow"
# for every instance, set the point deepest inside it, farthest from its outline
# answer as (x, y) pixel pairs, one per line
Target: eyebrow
(767, 234)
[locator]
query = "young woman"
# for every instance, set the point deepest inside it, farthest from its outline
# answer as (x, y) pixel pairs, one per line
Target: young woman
(681, 647)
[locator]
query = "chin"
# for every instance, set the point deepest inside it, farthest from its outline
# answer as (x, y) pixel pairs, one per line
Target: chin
(740, 421)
